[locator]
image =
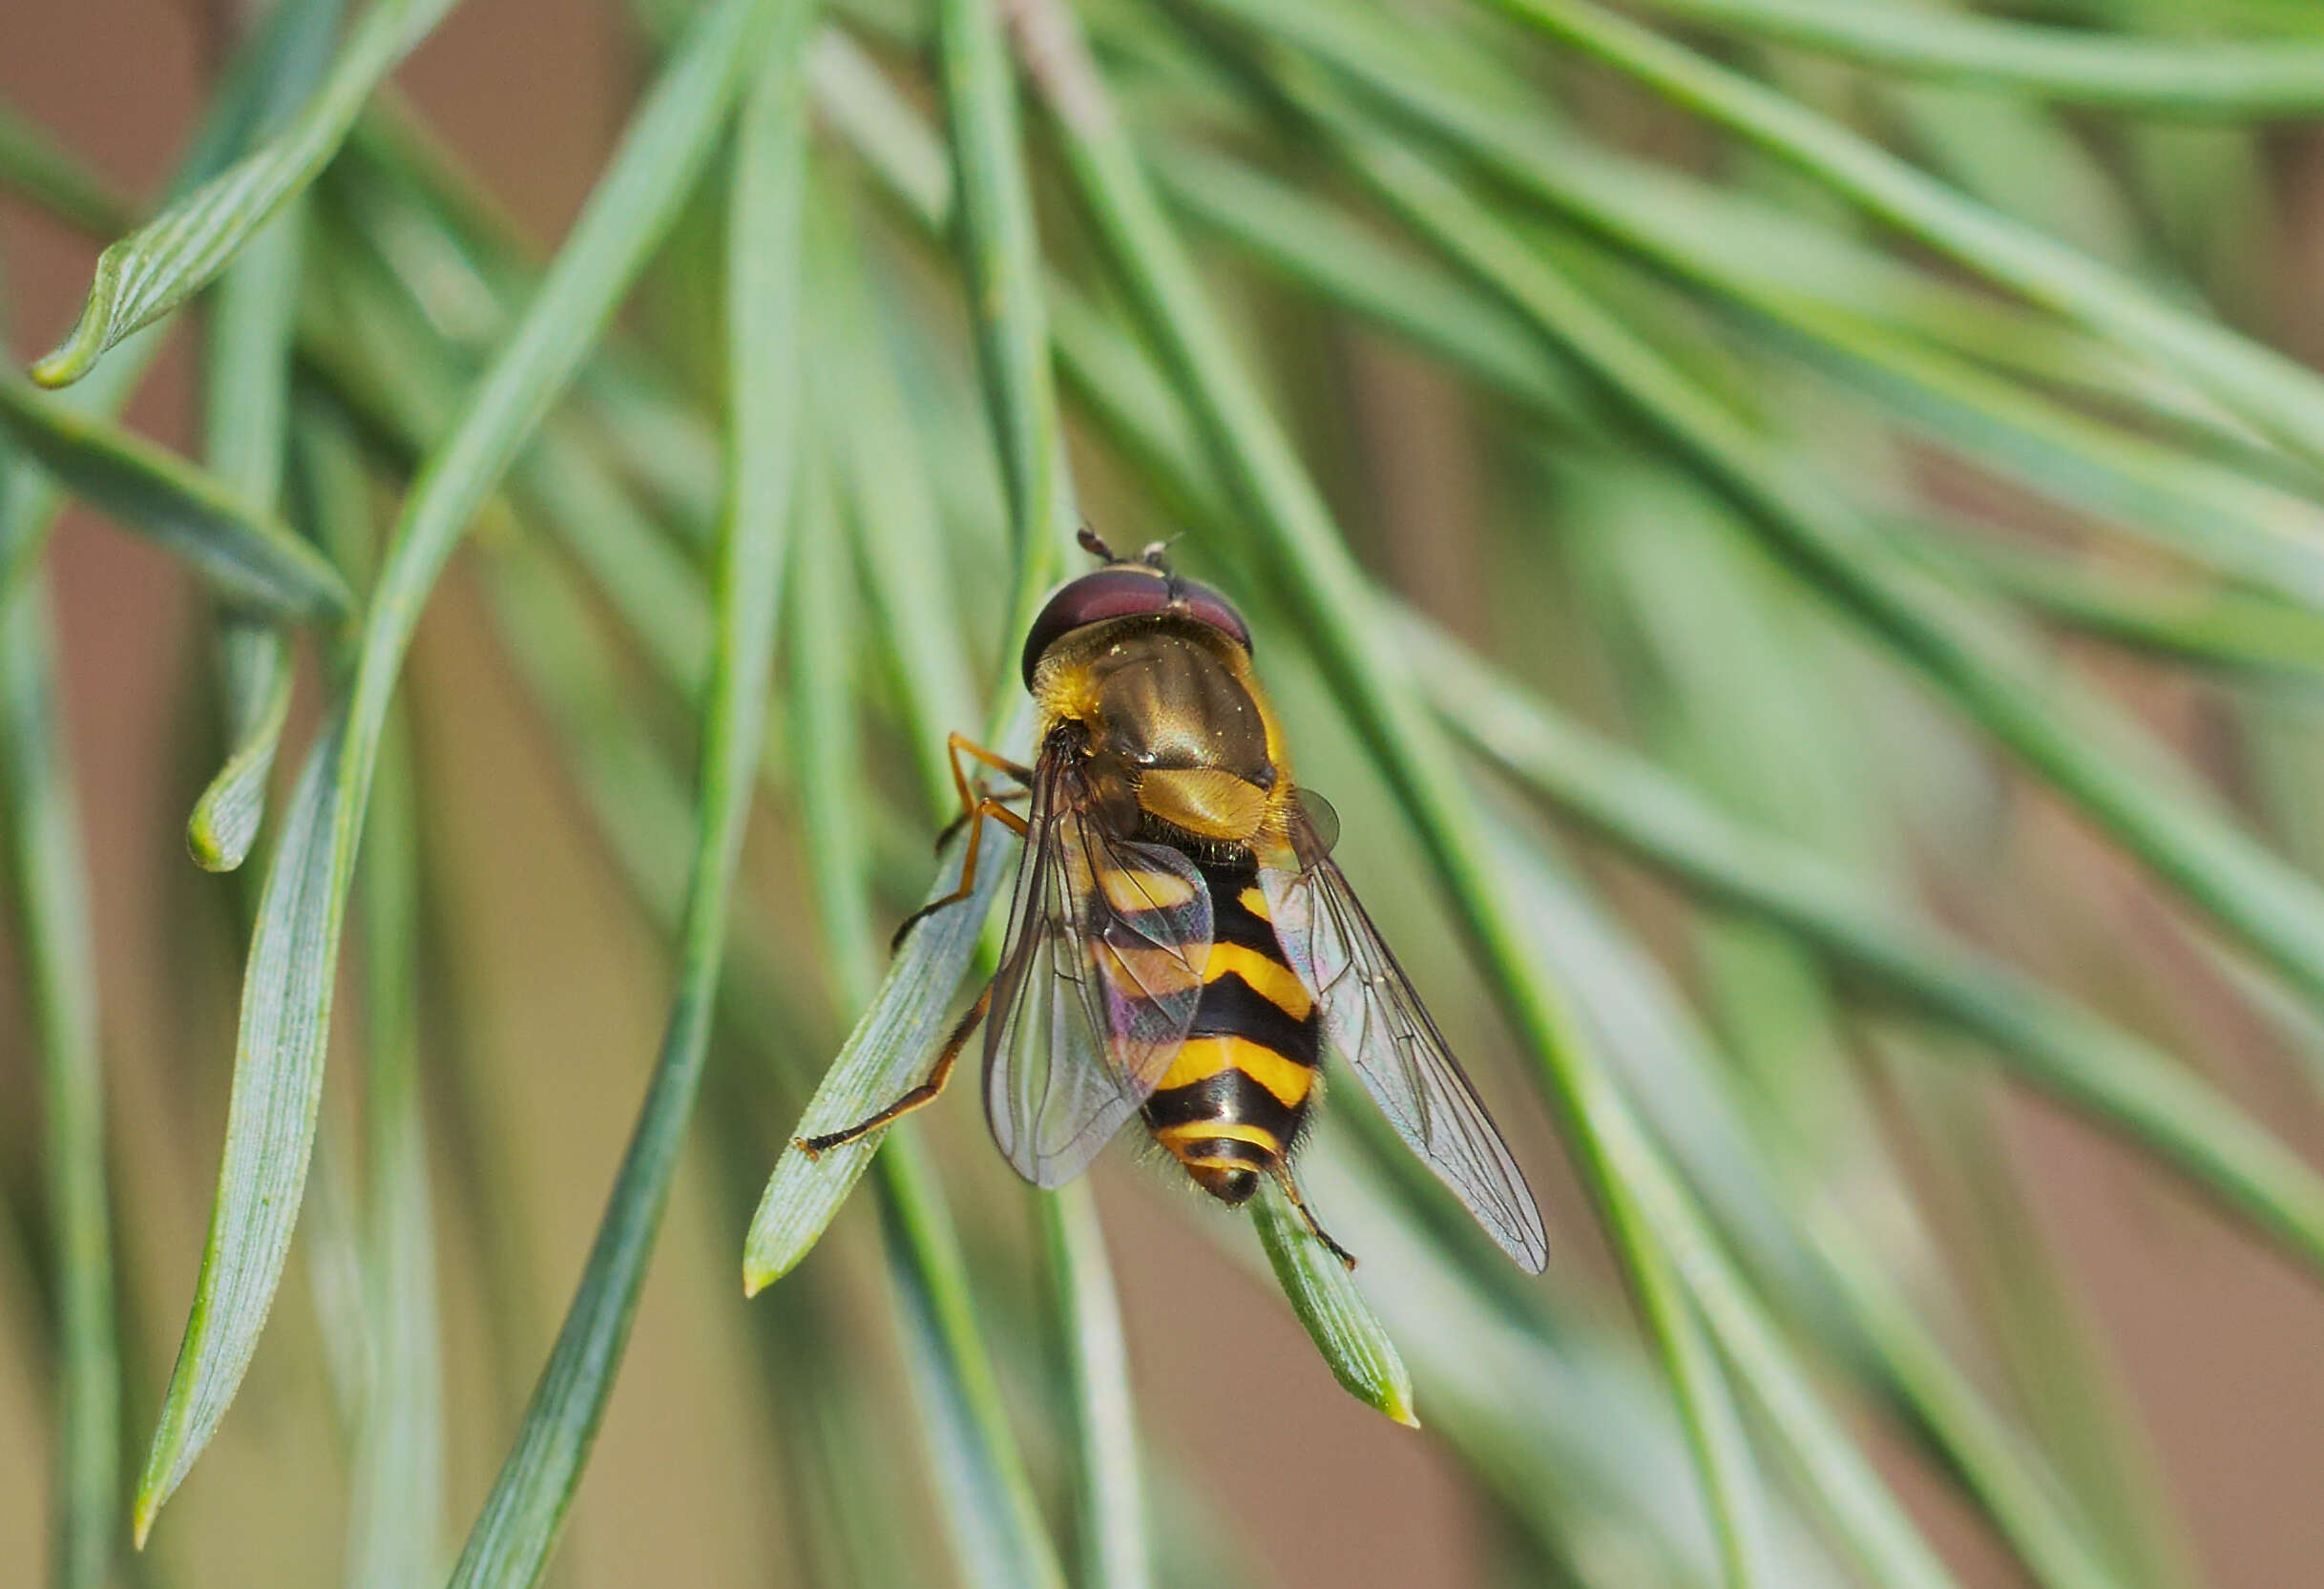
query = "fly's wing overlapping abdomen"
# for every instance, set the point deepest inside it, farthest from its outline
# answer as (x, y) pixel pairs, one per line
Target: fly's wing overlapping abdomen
(1379, 1026)
(1098, 982)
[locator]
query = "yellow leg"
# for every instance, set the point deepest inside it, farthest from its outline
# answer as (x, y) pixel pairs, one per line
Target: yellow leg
(918, 1097)
(1290, 1189)
(987, 807)
(970, 797)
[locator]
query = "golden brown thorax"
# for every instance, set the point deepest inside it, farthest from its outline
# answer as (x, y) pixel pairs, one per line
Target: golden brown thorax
(1179, 733)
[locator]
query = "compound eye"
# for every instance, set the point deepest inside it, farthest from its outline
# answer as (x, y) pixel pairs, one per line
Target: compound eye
(1209, 605)
(1122, 591)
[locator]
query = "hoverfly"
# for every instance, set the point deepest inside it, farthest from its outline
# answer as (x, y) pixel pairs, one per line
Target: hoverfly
(1180, 942)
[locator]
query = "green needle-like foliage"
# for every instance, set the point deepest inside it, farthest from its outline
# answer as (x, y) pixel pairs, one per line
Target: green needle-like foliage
(1859, 470)
(51, 918)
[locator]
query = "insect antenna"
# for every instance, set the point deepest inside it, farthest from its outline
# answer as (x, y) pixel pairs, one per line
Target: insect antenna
(1096, 548)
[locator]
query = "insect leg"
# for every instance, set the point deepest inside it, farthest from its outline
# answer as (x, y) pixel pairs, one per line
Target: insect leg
(1290, 1189)
(814, 1147)
(987, 807)
(970, 797)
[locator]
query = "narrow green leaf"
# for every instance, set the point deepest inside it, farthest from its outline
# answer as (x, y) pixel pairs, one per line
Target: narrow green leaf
(1707, 1410)
(1868, 321)
(1323, 250)
(1000, 256)
(226, 819)
(433, 221)
(1553, 1412)
(157, 267)
(640, 812)
(855, 96)
(278, 52)
(636, 796)
(2208, 625)
(2259, 80)
(294, 953)
(825, 741)
(1323, 1293)
(1991, 1456)
(396, 1525)
(395, 1517)
(987, 1497)
(992, 1517)
(2052, 1043)
(245, 412)
(2283, 398)
(247, 555)
(513, 1536)
(56, 950)
(1322, 585)
(286, 999)
(1839, 1276)
(1115, 1554)
(379, 350)
(889, 1051)
(1843, 1480)
(333, 1261)
(899, 534)
(2091, 752)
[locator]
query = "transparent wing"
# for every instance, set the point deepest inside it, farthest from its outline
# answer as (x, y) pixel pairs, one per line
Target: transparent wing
(1098, 982)
(1379, 1025)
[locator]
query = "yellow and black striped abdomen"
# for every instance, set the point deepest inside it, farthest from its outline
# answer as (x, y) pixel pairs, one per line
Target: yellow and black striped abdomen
(1232, 1102)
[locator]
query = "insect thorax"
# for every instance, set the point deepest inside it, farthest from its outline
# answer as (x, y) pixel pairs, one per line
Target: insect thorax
(1177, 737)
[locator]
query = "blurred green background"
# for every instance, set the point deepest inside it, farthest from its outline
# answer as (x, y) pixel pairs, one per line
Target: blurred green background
(2145, 1364)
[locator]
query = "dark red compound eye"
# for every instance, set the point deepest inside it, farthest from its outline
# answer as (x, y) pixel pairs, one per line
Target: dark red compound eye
(1126, 589)
(1212, 608)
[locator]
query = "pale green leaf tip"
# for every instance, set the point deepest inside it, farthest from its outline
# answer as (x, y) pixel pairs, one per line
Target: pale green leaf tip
(763, 1268)
(75, 358)
(163, 1470)
(1388, 1394)
(213, 849)
(142, 1519)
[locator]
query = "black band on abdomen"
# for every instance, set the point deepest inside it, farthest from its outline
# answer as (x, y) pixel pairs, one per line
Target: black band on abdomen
(1228, 1097)
(1232, 1008)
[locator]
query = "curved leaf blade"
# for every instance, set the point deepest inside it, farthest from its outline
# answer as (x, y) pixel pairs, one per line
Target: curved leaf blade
(246, 421)
(516, 1530)
(2227, 79)
(1354, 1344)
(225, 823)
(981, 1482)
(2279, 395)
(889, 1051)
(285, 1017)
(2055, 1044)
(157, 267)
(278, 1084)
(58, 951)
(1000, 256)
(1114, 1553)
(248, 557)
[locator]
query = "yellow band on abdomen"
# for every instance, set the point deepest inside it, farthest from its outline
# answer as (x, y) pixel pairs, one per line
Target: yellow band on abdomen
(1203, 1057)
(1176, 1138)
(1268, 977)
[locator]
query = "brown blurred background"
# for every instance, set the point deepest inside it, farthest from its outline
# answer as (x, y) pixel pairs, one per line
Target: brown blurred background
(2221, 1344)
